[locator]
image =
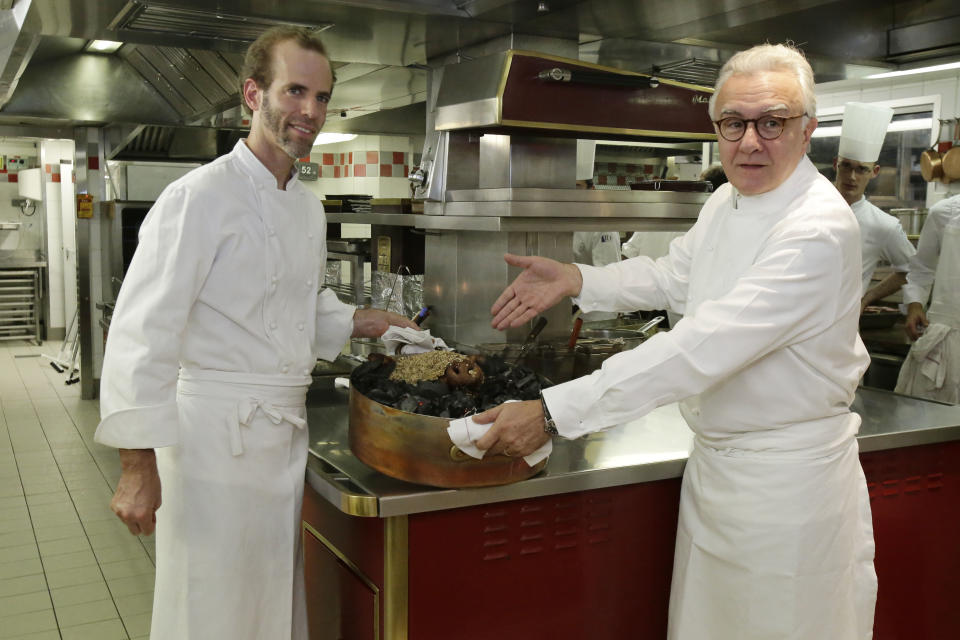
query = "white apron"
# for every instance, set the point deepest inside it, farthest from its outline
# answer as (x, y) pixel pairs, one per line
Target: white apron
(932, 368)
(773, 546)
(242, 450)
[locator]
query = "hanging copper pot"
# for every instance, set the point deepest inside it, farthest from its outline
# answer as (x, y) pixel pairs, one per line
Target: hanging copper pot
(931, 165)
(950, 162)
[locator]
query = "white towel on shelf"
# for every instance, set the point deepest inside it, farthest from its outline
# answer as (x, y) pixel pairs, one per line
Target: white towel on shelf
(464, 433)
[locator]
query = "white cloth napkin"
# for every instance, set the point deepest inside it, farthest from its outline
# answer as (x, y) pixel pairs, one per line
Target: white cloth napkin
(411, 341)
(464, 433)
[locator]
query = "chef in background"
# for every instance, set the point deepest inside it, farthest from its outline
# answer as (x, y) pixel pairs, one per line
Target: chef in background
(775, 538)
(656, 244)
(218, 325)
(597, 248)
(932, 368)
(881, 235)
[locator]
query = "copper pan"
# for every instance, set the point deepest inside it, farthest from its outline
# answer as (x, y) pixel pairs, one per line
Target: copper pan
(931, 165)
(416, 448)
(950, 162)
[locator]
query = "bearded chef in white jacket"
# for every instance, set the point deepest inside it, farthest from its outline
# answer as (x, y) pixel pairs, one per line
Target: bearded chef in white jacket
(775, 538)
(219, 323)
(881, 235)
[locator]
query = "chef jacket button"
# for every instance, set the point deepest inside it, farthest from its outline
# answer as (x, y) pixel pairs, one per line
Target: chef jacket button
(284, 369)
(270, 231)
(273, 325)
(310, 235)
(300, 326)
(273, 278)
(309, 283)
(307, 372)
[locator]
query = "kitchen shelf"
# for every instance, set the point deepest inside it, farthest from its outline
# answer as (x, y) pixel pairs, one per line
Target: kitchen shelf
(20, 304)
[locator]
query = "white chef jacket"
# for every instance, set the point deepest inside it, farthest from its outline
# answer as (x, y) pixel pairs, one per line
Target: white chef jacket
(654, 244)
(217, 327)
(192, 296)
(597, 248)
(762, 283)
(774, 537)
(932, 368)
(882, 238)
(923, 265)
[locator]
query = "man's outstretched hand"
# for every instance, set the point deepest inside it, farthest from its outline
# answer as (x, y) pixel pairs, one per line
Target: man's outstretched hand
(542, 284)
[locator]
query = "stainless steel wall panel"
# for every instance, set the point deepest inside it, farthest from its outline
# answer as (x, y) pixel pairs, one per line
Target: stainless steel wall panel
(465, 273)
(522, 162)
(494, 161)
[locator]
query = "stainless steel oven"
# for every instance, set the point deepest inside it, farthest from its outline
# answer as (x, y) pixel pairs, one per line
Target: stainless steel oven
(125, 218)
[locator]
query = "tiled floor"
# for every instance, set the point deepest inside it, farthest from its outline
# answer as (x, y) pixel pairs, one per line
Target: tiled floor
(69, 569)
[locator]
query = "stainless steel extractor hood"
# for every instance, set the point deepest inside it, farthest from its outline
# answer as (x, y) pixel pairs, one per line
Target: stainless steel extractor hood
(179, 61)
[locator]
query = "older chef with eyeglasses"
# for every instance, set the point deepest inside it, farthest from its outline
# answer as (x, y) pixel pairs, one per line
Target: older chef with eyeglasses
(775, 538)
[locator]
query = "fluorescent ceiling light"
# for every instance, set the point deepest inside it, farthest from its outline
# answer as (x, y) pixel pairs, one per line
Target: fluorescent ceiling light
(103, 46)
(910, 72)
(332, 138)
(898, 125)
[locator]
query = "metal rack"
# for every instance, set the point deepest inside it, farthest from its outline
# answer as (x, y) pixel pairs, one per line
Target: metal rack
(20, 304)
(355, 253)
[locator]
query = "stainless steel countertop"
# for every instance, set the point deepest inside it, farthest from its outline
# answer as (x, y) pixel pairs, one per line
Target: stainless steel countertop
(654, 447)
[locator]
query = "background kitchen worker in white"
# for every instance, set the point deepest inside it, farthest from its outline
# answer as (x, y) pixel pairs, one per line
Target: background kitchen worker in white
(216, 330)
(656, 244)
(774, 538)
(881, 235)
(596, 248)
(932, 368)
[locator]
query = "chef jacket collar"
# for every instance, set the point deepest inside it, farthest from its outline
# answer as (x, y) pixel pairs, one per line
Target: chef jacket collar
(787, 190)
(258, 172)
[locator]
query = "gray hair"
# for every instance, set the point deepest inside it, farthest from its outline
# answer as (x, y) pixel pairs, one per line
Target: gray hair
(770, 57)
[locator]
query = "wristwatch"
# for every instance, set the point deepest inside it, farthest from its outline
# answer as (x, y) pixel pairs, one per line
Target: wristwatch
(549, 426)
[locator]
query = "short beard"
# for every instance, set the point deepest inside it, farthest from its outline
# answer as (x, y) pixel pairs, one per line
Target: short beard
(274, 122)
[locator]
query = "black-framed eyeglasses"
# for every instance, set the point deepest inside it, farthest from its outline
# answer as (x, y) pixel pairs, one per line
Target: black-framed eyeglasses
(860, 170)
(767, 127)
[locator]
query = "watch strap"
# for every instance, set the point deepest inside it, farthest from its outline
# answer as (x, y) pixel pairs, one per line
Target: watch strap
(549, 425)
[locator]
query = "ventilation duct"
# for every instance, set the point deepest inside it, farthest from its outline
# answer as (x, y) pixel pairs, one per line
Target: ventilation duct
(159, 19)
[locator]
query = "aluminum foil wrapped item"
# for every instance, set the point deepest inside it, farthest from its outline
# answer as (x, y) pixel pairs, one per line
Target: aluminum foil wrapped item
(397, 292)
(333, 273)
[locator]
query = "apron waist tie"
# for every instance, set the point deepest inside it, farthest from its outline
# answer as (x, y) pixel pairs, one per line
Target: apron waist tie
(277, 397)
(247, 409)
